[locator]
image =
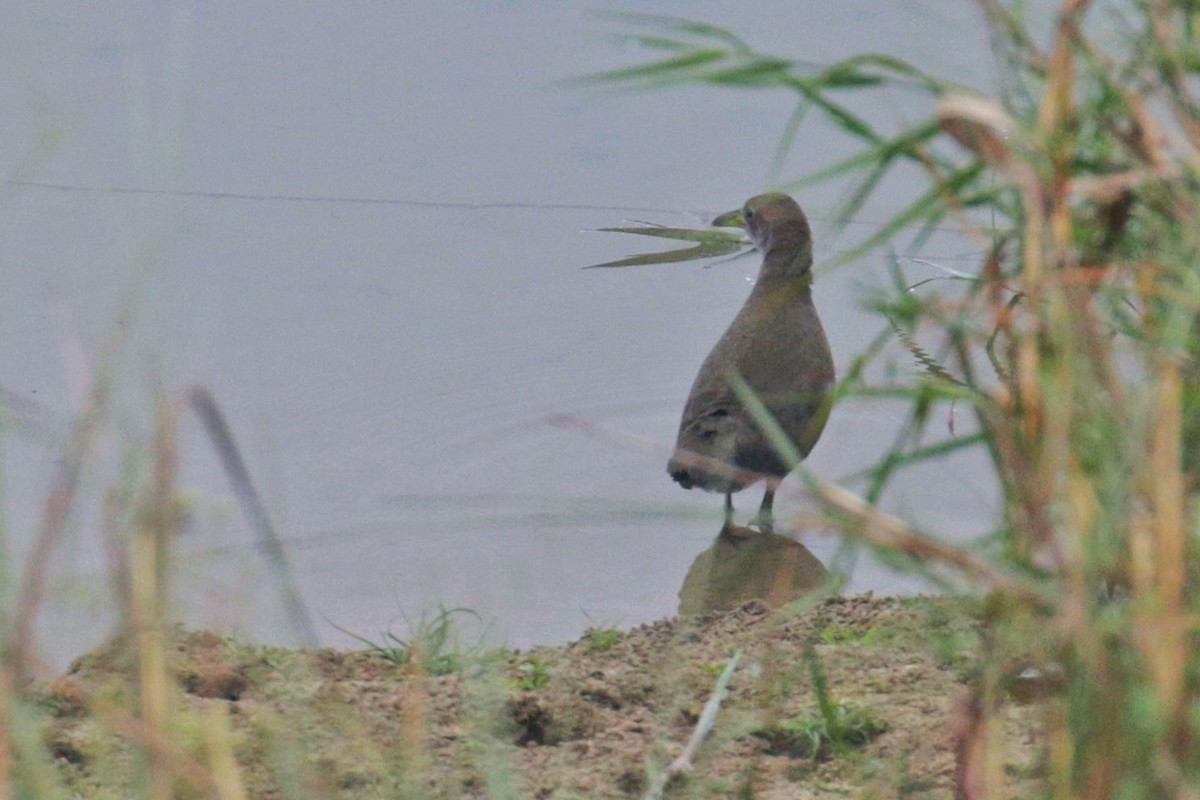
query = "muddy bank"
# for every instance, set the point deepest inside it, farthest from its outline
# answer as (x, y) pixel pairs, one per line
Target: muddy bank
(598, 718)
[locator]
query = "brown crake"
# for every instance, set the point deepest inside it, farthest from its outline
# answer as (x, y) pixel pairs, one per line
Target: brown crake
(776, 349)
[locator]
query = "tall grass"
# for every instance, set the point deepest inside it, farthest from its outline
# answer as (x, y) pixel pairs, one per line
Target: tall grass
(1074, 344)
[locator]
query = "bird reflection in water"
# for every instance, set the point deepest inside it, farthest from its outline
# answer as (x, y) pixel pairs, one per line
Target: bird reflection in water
(745, 564)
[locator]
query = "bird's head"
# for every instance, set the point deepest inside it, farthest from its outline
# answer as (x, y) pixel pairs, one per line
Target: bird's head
(777, 227)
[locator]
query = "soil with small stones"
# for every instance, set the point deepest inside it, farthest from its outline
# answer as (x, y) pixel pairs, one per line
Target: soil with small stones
(602, 717)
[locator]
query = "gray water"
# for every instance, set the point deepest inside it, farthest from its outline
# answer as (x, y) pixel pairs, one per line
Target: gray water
(363, 232)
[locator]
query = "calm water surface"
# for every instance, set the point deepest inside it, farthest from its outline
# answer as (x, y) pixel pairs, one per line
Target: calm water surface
(364, 236)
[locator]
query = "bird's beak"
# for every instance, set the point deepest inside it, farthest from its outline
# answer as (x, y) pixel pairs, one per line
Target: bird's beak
(730, 219)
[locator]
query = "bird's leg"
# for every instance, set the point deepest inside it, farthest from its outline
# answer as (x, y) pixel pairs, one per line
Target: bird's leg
(766, 517)
(730, 532)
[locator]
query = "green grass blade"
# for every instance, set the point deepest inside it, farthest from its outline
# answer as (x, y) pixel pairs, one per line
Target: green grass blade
(664, 70)
(786, 141)
(679, 25)
(929, 204)
(710, 243)
(902, 144)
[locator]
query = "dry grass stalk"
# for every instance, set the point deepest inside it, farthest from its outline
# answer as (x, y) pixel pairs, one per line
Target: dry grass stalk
(148, 613)
(223, 767)
(6, 727)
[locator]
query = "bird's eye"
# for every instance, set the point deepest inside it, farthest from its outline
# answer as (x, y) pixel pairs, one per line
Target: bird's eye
(748, 213)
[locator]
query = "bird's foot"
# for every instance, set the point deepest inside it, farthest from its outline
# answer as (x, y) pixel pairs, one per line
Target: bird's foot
(765, 523)
(736, 534)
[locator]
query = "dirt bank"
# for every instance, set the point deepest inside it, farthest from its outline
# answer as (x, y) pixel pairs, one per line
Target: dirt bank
(598, 718)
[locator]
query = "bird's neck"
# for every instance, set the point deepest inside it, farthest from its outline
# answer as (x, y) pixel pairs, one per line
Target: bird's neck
(771, 289)
(788, 265)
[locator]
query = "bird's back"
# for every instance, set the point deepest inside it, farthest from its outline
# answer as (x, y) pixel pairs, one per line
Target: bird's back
(777, 348)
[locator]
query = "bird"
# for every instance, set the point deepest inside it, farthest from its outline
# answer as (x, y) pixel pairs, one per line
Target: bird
(769, 377)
